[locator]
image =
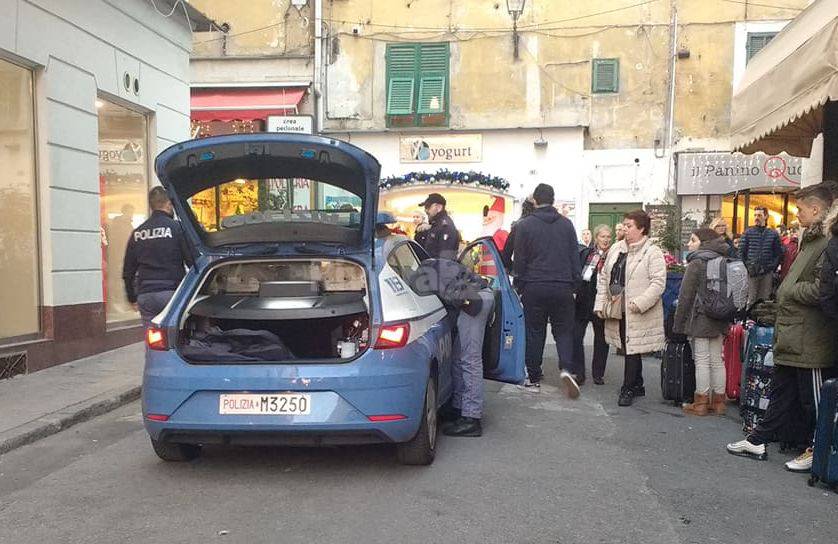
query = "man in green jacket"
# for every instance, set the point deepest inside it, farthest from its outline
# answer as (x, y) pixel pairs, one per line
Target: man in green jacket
(804, 337)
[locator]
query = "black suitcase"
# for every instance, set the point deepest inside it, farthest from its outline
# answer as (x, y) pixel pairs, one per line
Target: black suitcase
(678, 373)
(825, 460)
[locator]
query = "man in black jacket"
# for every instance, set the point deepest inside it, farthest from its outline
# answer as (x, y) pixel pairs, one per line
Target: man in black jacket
(546, 261)
(761, 251)
(440, 238)
(155, 259)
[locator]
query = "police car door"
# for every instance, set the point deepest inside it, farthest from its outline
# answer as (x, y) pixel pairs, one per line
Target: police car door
(503, 345)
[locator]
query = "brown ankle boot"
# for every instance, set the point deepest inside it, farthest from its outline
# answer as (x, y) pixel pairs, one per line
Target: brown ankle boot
(699, 406)
(719, 405)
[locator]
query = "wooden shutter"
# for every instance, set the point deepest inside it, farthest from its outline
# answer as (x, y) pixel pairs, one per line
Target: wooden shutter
(606, 76)
(756, 41)
(433, 78)
(402, 66)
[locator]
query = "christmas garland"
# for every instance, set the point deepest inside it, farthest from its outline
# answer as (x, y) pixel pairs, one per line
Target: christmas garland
(476, 179)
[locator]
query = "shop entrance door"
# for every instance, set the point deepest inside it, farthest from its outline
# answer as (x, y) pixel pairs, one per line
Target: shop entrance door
(610, 214)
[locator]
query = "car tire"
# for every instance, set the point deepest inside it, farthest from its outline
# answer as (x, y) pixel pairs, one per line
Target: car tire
(421, 449)
(174, 452)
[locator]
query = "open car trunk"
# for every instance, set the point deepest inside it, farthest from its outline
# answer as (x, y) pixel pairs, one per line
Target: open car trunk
(277, 311)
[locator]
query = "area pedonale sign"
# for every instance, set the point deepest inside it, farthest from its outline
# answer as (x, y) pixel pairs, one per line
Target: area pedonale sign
(722, 173)
(448, 148)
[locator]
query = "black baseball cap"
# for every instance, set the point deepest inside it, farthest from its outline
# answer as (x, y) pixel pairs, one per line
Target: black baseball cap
(433, 198)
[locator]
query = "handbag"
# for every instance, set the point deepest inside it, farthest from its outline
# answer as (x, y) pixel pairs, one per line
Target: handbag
(614, 307)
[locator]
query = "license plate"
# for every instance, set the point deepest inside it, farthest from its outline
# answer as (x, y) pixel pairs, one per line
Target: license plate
(286, 404)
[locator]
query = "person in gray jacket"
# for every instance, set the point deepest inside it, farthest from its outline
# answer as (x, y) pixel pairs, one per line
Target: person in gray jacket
(705, 333)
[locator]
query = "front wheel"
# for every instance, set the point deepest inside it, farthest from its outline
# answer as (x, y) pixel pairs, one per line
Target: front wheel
(169, 451)
(421, 449)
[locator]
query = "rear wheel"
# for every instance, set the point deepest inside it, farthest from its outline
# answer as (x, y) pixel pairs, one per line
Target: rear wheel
(421, 449)
(170, 451)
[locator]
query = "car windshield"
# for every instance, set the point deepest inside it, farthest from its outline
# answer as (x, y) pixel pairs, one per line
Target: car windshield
(243, 202)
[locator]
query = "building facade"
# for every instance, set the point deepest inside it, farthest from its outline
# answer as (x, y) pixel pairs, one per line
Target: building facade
(599, 99)
(89, 93)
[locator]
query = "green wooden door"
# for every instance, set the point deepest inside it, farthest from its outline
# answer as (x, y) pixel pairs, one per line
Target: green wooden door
(610, 214)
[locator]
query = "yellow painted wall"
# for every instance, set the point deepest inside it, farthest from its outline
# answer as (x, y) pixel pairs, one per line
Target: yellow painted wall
(550, 85)
(257, 27)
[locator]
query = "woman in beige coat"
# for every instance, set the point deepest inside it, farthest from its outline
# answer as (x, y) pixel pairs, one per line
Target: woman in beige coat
(629, 299)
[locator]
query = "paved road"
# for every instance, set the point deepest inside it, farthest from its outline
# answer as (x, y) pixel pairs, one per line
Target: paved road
(547, 470)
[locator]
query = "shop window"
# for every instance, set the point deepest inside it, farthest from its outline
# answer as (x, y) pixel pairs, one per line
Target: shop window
(123, 188)
(782, 210)
(19, 289)
(417, 84)
(756, 41)
(606, 76)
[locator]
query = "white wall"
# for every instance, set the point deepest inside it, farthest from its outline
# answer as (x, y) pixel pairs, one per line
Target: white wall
(76, 50)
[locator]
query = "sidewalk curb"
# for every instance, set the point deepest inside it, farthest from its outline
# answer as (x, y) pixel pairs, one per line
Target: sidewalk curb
(56, 422)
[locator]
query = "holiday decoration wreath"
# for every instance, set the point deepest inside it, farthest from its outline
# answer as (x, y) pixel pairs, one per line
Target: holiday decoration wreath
(477, 179)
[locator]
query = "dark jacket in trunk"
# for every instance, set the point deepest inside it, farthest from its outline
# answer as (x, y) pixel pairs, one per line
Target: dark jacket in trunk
(687, 320)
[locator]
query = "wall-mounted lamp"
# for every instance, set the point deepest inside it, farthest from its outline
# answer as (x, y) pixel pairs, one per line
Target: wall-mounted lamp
(515, 8)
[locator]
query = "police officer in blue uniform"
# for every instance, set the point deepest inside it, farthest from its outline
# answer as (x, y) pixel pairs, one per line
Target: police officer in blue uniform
(439, 238)
(156, 258)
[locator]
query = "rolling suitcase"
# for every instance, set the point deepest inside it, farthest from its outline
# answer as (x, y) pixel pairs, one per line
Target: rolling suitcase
(757, 371)
(732, 355)
(825, 460)
(678, 373)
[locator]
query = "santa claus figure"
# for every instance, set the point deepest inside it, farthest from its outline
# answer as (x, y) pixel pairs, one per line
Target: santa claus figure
(493, 221)
(493, 226)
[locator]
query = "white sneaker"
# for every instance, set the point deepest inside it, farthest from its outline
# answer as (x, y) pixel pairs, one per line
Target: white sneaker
(570, 385)
(746, 449)
(801, 463)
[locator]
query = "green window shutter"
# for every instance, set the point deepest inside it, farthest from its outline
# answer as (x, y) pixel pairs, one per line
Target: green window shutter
(756, 41)
(433, 78)
(432, 95)
(606, 76)
(400, 96)
(402, 65)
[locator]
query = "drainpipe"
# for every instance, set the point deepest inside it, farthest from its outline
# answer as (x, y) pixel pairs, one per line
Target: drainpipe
(318, 66)
(670, 125)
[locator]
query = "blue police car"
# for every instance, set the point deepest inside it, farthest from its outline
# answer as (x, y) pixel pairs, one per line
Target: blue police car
(298, 325)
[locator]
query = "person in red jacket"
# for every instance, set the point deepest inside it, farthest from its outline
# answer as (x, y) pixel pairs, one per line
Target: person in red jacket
(790, 244)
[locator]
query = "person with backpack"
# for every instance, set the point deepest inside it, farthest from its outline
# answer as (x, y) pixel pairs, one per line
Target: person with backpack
(706, 333)
(805, 342)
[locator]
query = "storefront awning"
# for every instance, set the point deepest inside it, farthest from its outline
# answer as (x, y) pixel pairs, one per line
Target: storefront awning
(778, 106)
(244, 104)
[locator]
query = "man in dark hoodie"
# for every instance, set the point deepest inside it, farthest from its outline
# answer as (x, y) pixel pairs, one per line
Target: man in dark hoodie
(546, 261)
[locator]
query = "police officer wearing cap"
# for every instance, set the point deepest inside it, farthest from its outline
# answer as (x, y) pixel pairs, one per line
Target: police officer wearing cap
(156, 258)
(440, 238)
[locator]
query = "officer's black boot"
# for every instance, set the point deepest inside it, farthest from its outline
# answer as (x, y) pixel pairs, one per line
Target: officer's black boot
(448, 413)
(465, 426)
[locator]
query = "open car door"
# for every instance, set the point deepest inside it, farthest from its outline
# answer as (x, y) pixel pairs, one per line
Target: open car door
(504, 343)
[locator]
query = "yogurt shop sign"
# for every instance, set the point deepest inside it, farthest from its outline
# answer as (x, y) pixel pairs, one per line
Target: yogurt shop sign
(435, 149)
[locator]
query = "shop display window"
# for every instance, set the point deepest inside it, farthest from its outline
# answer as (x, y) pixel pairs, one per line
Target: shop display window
(123, 187)
(782, 209)
(19, 253)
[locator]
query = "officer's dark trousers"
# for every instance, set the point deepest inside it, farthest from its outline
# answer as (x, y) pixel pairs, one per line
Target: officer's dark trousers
(543, 302)
(793, 404)
(151, 304)
(467, 367)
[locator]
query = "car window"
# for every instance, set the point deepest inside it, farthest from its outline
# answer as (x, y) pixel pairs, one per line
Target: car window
(403, 261)
(479, 259)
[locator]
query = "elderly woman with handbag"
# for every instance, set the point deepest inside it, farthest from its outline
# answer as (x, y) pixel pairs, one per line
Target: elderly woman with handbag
(629, 300)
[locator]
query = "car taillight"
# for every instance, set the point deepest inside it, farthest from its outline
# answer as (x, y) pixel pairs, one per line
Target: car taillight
(156, 339)
(393, 336)
(157, 417)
